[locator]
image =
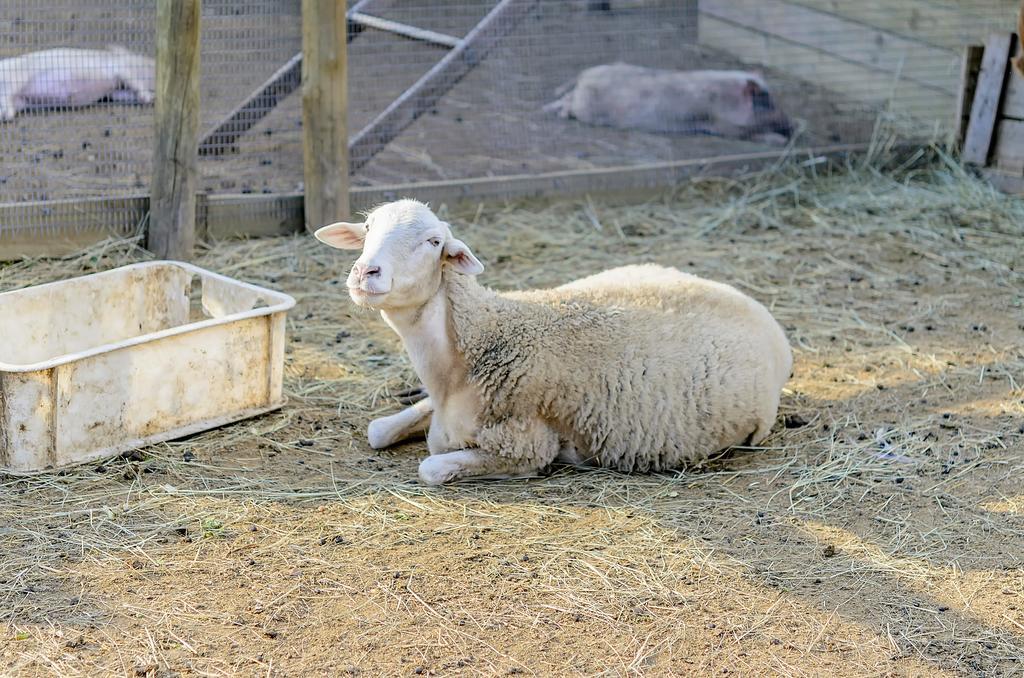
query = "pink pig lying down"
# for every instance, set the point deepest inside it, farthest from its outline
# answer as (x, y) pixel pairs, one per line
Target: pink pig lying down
(74, 77)
(734, 104)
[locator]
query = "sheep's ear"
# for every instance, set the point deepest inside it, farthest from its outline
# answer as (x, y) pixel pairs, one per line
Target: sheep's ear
(342, 235)
(461, 258)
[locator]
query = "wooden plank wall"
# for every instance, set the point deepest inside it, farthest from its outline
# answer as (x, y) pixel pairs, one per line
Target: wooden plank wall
(905, 53)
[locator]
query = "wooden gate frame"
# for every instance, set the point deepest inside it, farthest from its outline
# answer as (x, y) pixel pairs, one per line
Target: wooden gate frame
(329, 156)
(463, 55)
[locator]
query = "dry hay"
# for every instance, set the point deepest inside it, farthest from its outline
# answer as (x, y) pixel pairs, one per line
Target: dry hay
(879, 530)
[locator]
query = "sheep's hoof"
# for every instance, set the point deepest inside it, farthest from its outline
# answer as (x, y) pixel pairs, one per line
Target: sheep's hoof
(437, 470)
(377, 434)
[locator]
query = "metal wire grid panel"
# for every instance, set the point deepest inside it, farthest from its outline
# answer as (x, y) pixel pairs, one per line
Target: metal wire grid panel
(833, 67)
(492, 122)
(52, 151)
(67, 168)
(257, 150)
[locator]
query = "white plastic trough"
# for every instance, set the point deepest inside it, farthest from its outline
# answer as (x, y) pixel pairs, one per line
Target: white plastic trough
(98, 365)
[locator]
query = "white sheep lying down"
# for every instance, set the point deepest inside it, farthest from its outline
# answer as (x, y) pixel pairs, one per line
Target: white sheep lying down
(638, 368)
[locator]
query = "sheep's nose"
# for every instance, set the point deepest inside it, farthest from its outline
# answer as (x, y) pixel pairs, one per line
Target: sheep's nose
(364, 271)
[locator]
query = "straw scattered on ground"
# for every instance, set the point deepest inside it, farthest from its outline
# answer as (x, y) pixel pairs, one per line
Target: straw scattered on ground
(879, 531)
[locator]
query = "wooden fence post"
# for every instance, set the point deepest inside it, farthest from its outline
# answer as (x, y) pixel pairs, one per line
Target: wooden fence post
(325, 111)
(172, 220)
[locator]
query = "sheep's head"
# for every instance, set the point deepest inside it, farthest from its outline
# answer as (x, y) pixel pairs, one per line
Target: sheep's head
(405, 247)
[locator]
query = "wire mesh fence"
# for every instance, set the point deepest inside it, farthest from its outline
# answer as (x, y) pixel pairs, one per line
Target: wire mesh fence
(56, 55)
(539, 101)
(449, 90)
(244, 44)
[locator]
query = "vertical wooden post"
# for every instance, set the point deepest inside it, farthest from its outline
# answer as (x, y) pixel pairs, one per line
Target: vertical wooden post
(325, 111)
(172, 221)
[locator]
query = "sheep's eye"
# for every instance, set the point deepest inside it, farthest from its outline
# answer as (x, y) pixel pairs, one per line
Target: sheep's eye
(435, 242)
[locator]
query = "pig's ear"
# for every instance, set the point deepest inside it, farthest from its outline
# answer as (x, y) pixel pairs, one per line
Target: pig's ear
(342, 235)
(461, 258)
(751, 89)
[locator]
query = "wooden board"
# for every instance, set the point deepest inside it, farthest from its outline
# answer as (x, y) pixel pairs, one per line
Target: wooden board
(970, 66)
(855, 82)
(987, 97)
(941, 24)
(355, 29)
(1008, 146)
(857, 43)
(1013, 98)
(426, 91)
(404, 30)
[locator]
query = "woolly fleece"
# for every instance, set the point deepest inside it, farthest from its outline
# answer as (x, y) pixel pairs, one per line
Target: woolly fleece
(639, 368)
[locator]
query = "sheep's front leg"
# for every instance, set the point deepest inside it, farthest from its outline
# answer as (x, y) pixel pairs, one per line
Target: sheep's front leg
(395, 428)
(438, 469)
(514, 448)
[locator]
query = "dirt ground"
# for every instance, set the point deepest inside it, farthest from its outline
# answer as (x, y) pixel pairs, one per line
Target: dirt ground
(880, 531)
(491, 123)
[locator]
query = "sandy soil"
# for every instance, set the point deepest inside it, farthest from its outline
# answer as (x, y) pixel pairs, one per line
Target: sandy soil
(880, 531)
